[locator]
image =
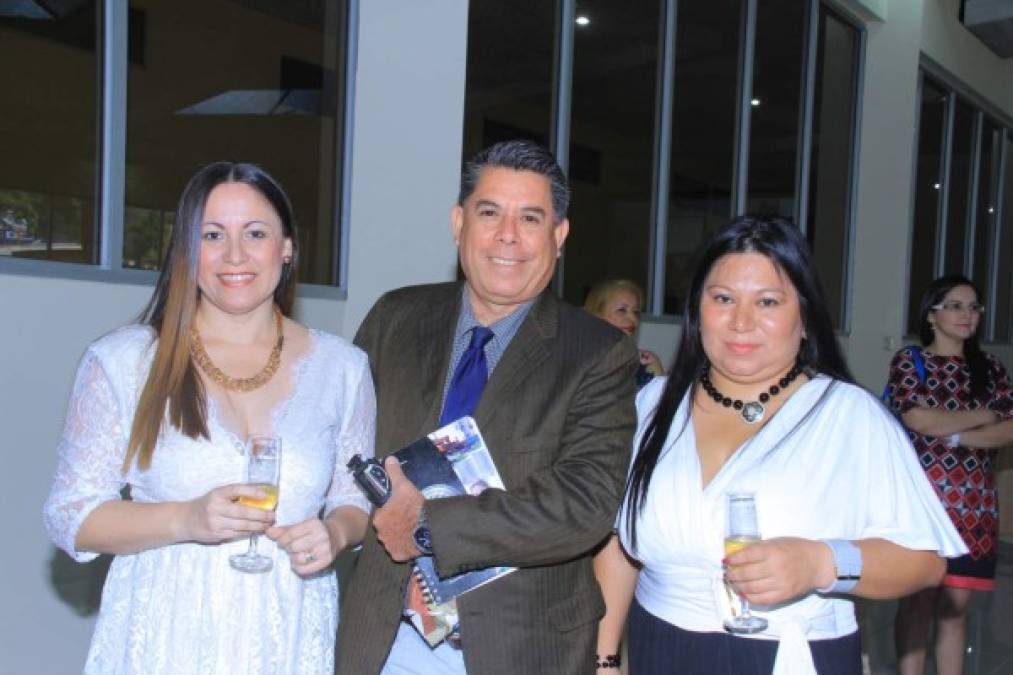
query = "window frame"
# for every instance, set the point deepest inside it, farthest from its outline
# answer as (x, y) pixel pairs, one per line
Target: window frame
(658, 226)
(110, 189)
(954, 88)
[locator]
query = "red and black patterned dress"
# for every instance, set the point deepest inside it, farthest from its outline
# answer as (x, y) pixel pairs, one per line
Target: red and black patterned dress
(963, 477)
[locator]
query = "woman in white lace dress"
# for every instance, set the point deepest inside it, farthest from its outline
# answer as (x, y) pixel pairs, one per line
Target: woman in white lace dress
(162, 408)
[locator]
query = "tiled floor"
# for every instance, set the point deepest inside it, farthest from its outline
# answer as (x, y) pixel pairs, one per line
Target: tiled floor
(990, 628)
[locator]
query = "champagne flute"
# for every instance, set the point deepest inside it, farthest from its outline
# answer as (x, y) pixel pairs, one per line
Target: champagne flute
(742, 531)
(263, 469)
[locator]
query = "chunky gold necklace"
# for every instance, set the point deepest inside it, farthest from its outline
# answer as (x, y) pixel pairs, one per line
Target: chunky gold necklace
(200, 356)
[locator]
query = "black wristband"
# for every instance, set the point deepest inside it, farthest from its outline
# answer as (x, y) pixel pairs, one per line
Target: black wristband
(607, 661)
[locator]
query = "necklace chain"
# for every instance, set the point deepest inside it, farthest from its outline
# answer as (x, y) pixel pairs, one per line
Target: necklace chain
(201, 358)
(750, 411)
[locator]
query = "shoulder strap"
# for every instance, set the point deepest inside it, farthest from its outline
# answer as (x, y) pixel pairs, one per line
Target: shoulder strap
(919, 363)
(916, 356)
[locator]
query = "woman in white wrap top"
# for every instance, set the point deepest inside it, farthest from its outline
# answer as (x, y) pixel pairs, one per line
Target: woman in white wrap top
(826, 461)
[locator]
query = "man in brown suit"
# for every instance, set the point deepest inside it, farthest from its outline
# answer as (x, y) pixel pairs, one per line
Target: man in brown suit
(557, 414)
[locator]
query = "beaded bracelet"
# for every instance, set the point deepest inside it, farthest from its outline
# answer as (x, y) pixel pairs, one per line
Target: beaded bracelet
(607, 661)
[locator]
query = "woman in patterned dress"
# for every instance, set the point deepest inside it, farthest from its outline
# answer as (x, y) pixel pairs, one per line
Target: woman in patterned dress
(161, 408)
(957, 418)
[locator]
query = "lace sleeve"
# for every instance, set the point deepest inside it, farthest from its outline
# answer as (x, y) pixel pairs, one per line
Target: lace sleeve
(355, 434)
(89, 466)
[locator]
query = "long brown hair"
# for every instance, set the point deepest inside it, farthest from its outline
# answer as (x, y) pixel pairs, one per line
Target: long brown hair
(173, 384)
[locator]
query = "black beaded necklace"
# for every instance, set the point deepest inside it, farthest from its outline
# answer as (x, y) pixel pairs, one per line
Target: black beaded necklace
(751, 411)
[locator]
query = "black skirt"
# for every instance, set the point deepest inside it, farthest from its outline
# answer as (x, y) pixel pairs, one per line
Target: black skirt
(659, 648)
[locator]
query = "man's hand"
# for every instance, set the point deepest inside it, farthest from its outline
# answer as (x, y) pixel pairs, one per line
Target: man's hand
(395, 522)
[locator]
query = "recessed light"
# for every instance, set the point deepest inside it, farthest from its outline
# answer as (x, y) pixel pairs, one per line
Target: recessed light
(755, 102)
(582, 20)
(936, 186)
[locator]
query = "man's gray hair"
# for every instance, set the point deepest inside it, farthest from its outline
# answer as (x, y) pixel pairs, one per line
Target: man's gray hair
(519, 155)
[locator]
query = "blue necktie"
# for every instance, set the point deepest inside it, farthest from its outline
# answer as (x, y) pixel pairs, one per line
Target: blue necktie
(469, 378)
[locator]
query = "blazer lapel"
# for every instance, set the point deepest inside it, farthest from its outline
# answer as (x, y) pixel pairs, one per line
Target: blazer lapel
(528, 349)
(433, 345)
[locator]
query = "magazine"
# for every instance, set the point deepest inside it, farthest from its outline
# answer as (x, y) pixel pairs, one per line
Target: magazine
(453, 460)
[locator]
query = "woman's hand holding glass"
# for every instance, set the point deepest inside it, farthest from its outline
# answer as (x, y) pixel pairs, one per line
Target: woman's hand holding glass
(219, 516)
(781, 569)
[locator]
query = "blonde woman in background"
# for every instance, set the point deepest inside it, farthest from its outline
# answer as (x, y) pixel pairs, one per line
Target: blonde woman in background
(619, 302)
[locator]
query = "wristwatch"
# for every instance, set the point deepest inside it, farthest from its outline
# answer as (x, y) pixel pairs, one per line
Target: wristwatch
(421, 535)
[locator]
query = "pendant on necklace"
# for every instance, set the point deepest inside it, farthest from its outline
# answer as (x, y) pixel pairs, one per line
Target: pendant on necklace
(752, 412)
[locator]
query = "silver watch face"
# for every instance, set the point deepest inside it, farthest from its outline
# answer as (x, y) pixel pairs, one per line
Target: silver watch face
(423, 539)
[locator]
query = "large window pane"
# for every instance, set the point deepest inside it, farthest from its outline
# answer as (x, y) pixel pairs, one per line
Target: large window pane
(1004, 278)
(49, 79)
(611, 139)
(835, 98)
(954, 255)
(249, 80)
(703, 135)
(927, 190)
(984, 213)
(777, 91)
(508, 93)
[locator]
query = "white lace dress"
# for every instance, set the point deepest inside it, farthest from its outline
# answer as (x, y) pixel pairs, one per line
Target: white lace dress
(181, 609)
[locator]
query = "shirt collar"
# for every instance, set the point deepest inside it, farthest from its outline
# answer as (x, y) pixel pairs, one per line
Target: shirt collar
(503, 330)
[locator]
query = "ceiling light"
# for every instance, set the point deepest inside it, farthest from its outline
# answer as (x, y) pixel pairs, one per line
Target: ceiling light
(936, 186)
(582, 20)
(755, 102)
(991, 209)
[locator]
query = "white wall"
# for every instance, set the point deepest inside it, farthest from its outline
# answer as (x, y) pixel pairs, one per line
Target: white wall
(406, 164)
(407, 146)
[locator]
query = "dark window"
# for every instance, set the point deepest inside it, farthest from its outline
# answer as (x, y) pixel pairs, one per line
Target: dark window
(243, 80)
(508, 92)
(48, 131)
(775, 105)
(611, 143)
(834, 102)
(927, 192)
(703, 135)
(985, 205)
(955, 251)
(1004, 276)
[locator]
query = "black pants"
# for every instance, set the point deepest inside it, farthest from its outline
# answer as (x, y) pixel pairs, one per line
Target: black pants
(659, 648)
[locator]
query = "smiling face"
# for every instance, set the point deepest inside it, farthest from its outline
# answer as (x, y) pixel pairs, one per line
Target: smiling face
(622, 310)
(242, 251)
(507, 240)
(953, 324)
(750, 320)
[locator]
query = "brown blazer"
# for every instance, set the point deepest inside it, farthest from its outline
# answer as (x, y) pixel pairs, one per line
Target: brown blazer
(558, 417)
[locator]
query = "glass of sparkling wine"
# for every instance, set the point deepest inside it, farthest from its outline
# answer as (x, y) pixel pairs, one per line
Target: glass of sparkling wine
(741, 532)
(262, 471)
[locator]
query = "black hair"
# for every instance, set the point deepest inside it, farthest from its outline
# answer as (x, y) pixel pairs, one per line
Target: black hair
(977, 362)
(780, 241)
(519, 155)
